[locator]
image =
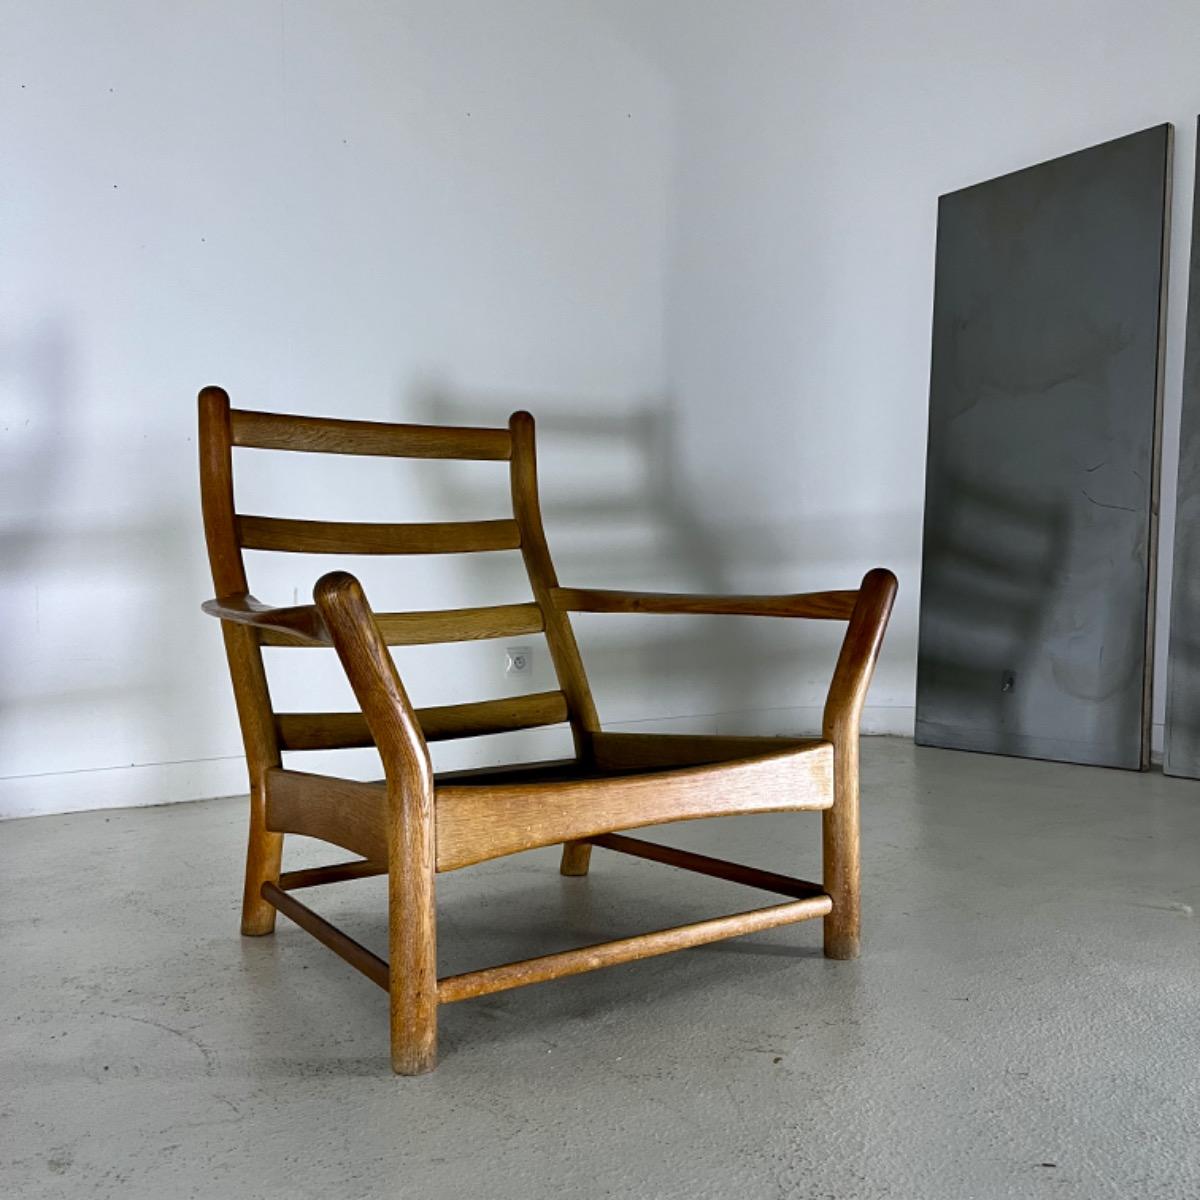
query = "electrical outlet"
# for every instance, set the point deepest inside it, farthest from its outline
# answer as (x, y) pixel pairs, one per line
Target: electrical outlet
(518, 660)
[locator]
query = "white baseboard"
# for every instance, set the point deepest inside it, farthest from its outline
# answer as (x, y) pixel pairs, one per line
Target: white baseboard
(121, 787)
(201, 779)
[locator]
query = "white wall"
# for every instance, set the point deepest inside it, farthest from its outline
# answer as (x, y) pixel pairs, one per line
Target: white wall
(813, 140)
(695, 238)
(391, 211)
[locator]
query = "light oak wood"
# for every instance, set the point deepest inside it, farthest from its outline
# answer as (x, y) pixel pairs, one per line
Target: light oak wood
(342, 731)
(829, 606)
(358, 537)
(329, 435)
(608, 954)
(344, 812)
(413, 825)
(475, 824)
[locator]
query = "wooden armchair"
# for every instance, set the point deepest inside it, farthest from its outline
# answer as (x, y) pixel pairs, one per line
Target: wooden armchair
(417, 824)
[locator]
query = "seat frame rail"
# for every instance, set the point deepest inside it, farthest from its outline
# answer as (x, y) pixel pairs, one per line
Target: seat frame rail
(807, 900)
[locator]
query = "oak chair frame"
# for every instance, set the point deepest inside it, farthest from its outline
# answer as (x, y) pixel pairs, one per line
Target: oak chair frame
(417, 824)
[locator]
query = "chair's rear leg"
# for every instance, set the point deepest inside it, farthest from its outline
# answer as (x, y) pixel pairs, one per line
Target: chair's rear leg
(264, 856)
(840, 853)
(576, 857)
(412, 938)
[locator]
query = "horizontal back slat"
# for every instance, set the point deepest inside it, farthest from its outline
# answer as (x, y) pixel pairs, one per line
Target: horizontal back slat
(330, 435)
(356, 537)
(342, 731)
(448, 625)
(492, 716)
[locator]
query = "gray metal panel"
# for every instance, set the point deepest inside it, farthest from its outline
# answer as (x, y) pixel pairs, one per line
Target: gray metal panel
(1181, 748)
(1041, 487)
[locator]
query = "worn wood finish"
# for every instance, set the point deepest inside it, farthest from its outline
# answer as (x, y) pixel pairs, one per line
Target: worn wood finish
(411, 826)
(631, 751)
(703, 864)
(829, 606)
(840, 725)
(345, 812)
(294, 536)
(341, 731)
(475, 824)
(330, 435)
(358, 956)
(412, 917)
(608, 954)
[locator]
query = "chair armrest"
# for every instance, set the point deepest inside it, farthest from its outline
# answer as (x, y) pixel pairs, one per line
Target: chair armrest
(300, 626)
(858, 655)
(829, 606)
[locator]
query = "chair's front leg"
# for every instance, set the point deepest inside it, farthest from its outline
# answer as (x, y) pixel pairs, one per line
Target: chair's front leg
(843, 710)
(840, 853)
(412, 935)
(412, 919)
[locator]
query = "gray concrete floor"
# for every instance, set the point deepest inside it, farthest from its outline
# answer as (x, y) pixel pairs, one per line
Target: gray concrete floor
(1025, 1020)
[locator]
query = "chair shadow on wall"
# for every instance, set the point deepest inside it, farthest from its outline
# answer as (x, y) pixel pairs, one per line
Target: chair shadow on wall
(54, 566)
(36, 368)
(640, 533)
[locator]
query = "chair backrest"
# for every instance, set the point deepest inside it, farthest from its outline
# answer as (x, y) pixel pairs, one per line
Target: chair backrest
(229, 532)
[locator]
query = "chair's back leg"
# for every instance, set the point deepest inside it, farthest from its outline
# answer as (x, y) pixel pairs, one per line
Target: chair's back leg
(564, 651)
(264, 849)
(264, 857)
(576, 856)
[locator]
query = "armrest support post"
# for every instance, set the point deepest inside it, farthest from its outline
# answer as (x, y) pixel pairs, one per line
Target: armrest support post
(843, 710)
(411, 849)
